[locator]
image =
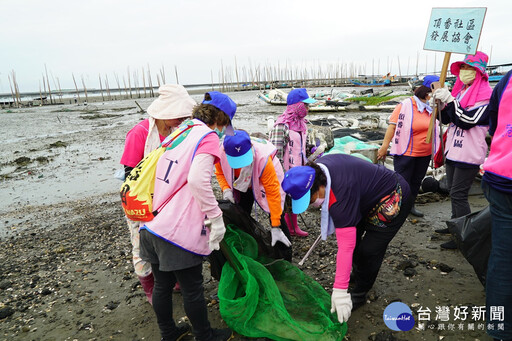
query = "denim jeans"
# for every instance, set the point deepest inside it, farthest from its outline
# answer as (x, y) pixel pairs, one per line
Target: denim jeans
(499, 271)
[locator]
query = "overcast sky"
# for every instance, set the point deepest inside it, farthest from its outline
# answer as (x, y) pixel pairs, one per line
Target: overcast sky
(93, 37)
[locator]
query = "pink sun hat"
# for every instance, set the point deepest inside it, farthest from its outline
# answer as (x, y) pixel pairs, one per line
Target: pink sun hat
(478, 61)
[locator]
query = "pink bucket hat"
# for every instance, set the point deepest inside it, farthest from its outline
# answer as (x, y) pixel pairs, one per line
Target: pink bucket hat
(173, 102)
(478, 61)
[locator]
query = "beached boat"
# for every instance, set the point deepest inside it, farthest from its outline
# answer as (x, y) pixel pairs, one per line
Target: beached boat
(497, 72)
(386, 82)
(323, 107)
(495, 78)
(274, 96)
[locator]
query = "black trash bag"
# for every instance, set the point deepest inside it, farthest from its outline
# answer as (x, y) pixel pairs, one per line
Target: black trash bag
(443, 185)
(429, 184)
(235, 215)
(473, 237)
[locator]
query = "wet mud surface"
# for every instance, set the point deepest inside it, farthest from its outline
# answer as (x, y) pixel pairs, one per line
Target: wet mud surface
(66, 270)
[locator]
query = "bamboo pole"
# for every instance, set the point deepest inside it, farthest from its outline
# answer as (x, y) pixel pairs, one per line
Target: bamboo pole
(101, 88)
(176, 73)
(150, 83)
(136, 82)
(417, 62)
(107, 86)
(236, 72)
(44, 86)
(399, 69)
(257, 71)
(85, 90)
(125, 88)
(40, 95)
(129, 81)
(76, 87)
(14, 99)
(253, 73)
(118, 84)
(222, 76)
(48, 81)
(16, 88)
(442, 79)
(59, 88)
(144, 82)
(162, 75)
(158, 79)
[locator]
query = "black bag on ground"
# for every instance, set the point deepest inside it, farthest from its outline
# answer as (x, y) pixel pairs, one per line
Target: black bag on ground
(473, 237)
(235, 215)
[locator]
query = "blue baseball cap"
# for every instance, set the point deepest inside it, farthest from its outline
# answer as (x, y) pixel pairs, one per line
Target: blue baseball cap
(223, 103)
(297, 183)
(299, 95)
(238, 149)
(428, 80)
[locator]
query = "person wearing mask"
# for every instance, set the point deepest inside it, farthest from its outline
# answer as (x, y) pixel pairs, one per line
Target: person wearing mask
(290, 137)
(248, 170)
(464, 110)
(497, 187)
(176, 241)
(365, 205)
(407, 131)
(166, 113)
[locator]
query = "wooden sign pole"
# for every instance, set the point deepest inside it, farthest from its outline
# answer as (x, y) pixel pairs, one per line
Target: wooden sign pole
(442, 79)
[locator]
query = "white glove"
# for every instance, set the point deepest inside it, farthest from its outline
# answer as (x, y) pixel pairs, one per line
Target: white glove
(341, 303)
(227, 194)
(443, 94)
(279, 236)
(217, 231)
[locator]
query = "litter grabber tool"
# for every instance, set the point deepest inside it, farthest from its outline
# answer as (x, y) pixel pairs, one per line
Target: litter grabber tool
(230, 257)
(301, 263)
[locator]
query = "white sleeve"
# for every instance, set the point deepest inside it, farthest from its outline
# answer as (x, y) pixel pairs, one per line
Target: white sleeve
(199, 179)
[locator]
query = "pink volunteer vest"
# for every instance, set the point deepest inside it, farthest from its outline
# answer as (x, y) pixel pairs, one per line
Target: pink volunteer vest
(403, 131)
(295, 150)
(262, 151)
(500, 155)
(180, 221)
(467, 146)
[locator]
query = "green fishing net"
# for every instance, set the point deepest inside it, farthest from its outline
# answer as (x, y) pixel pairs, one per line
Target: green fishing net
(272, 298)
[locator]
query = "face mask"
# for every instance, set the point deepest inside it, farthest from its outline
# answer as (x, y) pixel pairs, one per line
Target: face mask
(220, 133)
(318, 202)
(467, 76)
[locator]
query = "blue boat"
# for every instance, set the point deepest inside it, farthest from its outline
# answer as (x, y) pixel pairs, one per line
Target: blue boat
(495, 78)
(386, 82)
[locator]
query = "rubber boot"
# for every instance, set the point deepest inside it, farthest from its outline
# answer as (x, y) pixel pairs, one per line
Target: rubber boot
(148, 282)
(289, 223)
(416, 213)
(298, 231)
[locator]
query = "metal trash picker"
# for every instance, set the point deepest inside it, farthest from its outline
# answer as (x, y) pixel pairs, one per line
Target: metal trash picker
(301, 263)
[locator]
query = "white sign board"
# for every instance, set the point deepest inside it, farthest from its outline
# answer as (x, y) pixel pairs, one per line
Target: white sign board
(455, 30)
